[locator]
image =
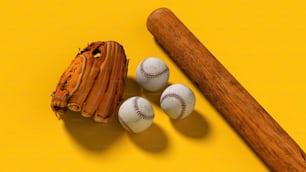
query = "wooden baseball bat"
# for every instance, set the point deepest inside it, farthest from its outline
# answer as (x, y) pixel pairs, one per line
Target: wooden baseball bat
(248, 118)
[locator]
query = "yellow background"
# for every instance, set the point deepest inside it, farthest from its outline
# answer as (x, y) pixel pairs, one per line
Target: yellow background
(262, 43)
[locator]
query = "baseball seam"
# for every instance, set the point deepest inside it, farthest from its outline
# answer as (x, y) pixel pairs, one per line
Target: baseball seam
(180, 99)
(138, 111)
(150, 75)
(125, 125)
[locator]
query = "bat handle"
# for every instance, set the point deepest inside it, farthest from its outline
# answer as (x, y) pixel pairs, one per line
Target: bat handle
(248, 118)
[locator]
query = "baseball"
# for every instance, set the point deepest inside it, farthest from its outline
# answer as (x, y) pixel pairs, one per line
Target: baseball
(177, 101)
(152, 74)
(136, 114)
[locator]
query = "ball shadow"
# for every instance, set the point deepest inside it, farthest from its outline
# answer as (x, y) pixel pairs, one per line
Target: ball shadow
(154, 97)
(92, 135)
(193, 126)
(153, 139)
(131, 88)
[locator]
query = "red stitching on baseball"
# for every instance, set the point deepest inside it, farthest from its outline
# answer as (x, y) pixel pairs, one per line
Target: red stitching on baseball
(150, 75)
(124, 124)
(138, 112)
(181, 100)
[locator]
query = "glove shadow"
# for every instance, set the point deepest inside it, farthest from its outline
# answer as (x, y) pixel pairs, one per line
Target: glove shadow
(92, 135)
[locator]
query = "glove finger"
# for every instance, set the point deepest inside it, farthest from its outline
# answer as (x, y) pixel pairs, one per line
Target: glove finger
(94, 56)
(68, 83)
(122, 81)
(105, 108)
(100, 86)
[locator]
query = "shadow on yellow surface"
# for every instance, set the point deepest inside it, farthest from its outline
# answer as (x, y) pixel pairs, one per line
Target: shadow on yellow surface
(92, 135)
(154, 97)
(153, 139)
(193, 126)
(131, 88)
(97, 137)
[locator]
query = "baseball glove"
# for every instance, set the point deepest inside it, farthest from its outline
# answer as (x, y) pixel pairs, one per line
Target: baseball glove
(93, 83)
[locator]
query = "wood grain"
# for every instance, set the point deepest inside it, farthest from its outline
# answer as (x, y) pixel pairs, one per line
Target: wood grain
(249, 119)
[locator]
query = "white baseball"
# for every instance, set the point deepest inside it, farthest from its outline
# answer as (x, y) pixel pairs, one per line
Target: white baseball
(136, 114)
(177, 101)
(152, 74)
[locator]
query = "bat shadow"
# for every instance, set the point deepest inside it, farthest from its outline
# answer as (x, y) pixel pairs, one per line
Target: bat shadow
(193, 126)
(92, 135)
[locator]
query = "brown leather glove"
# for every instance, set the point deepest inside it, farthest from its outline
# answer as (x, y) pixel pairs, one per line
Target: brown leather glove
(93, 83)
